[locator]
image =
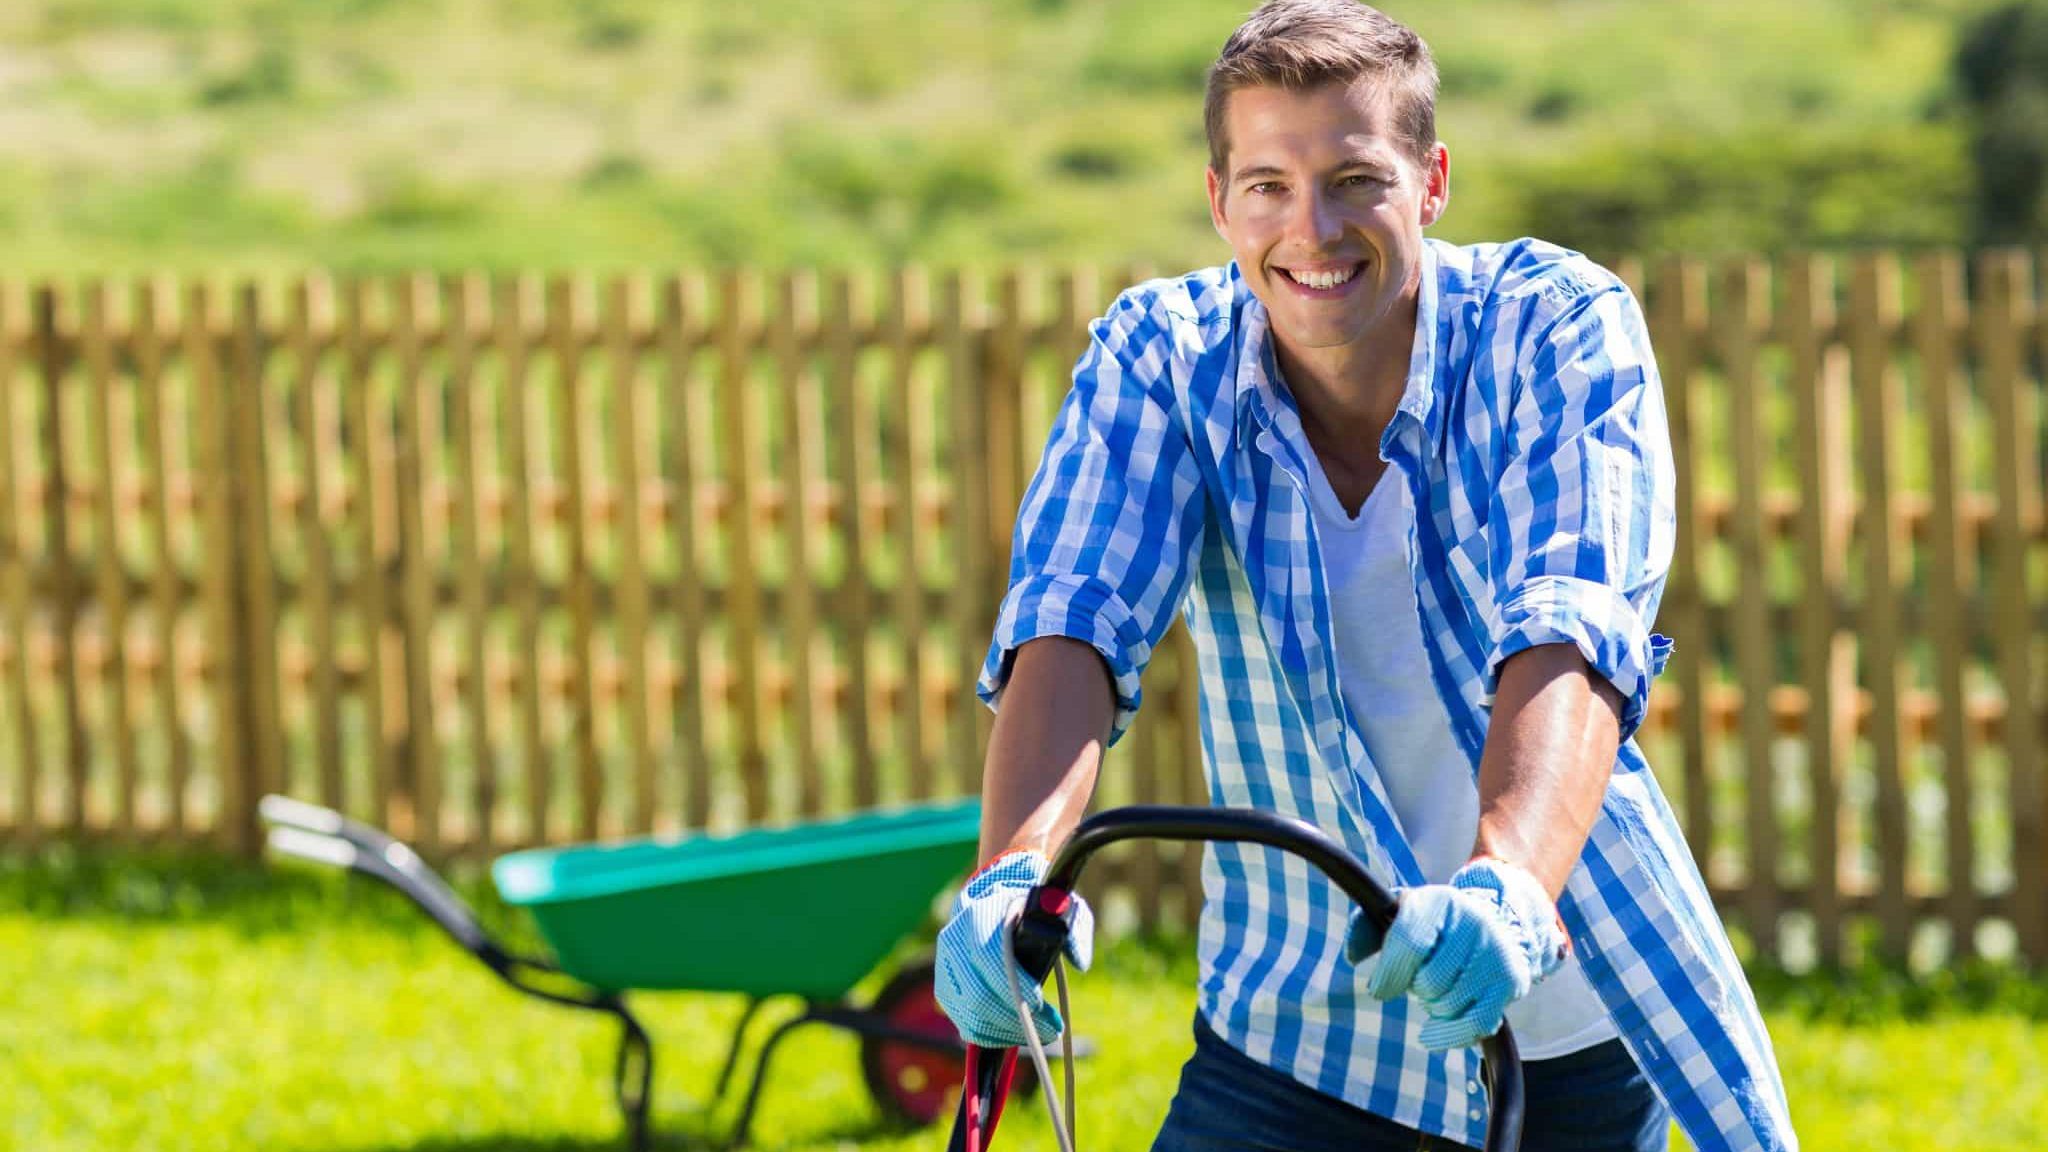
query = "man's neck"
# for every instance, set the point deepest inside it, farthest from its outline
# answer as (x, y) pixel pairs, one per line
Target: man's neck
(1348, 394)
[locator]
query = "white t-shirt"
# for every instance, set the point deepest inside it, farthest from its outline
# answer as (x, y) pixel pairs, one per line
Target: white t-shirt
(1384, 674)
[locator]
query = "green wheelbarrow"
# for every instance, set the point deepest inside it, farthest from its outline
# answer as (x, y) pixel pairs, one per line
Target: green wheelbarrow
(691, 914)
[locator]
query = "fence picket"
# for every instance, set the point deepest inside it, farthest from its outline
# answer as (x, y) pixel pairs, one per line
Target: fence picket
(1004, 388)
(973, 600)
(622, 361)
(906, 314)
(1675, 315)
(2033, 521)
(111, 590)
(681, 304)
(1827, 656)
(2007, 292)
(310, 301)
(1873, 313)
(365, 463)
(742, 580)
(795, 300)
(512, 304)
(419, 764)
(54, 360)
(255, 580)
(153, 301)
(463, 299)
(213, 463)
(1073, 303)
(853, 472)
(1940, 286)
(564, 297)
(1743, 292)
(14, 586)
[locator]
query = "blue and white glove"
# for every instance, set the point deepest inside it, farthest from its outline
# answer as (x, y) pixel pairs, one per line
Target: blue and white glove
(1466, 950)
(972, 984)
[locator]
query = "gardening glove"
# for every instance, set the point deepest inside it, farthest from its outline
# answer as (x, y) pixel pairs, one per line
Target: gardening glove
(1465, 950)
(972, 984)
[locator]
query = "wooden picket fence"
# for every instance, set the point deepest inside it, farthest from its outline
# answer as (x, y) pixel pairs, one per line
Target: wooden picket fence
(496, 562)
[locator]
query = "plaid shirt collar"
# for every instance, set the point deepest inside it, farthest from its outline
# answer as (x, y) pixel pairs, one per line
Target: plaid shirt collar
(1259, 393)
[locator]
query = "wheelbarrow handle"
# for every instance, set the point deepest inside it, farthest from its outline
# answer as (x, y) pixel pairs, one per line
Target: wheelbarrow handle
(1040, 928)
(311, 832)
(325, 836)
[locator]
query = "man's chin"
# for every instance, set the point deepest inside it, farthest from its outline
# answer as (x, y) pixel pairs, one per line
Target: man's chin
(1323, 334)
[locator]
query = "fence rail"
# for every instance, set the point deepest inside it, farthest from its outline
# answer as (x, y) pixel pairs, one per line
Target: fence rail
(504, 561)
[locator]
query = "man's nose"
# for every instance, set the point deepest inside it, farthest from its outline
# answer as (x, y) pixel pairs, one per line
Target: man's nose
(1315, 221)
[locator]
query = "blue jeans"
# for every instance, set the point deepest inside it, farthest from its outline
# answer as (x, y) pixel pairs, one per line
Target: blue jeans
(1594, 1100)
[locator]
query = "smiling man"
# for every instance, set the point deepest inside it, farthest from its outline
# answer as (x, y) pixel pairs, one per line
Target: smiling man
(1415, 502)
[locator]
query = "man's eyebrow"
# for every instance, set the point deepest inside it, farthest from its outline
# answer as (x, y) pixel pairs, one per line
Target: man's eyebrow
(1267, 171)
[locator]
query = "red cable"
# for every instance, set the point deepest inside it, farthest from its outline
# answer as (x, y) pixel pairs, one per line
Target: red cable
(979, 1137)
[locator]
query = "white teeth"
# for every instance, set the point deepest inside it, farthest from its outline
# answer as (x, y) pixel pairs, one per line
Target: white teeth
(1322, 279)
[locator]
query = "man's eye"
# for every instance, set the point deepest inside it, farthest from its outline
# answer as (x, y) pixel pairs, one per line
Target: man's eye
(1359, 180)
(1264, 188)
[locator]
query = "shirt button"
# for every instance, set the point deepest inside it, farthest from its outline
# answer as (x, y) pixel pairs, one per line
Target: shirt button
(1472, 1086)
(1474, 1114)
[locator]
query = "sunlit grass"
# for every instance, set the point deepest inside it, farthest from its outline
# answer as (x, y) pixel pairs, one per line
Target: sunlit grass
(161, 1002)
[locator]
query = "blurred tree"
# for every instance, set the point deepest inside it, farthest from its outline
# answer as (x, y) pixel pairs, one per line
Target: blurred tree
(2002, 66)
(1759, 191)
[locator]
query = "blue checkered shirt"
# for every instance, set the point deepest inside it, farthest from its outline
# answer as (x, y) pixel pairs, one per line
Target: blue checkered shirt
(1532, 437)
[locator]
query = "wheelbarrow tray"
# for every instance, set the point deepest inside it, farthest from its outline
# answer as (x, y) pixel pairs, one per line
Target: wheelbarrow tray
(808, 910)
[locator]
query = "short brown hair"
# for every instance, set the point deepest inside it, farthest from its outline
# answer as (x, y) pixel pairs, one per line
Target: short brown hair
(1302, 44)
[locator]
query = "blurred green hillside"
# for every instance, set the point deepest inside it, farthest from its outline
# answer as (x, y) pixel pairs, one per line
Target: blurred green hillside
(263, 135)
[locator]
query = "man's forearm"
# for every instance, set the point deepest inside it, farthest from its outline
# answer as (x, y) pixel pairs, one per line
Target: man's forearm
(1549, 752)
(1046, 746)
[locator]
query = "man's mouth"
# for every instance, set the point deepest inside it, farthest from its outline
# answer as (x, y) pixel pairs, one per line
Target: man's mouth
(1323, 280)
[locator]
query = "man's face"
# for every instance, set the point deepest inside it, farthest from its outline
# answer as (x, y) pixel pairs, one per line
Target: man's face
(1324, 210)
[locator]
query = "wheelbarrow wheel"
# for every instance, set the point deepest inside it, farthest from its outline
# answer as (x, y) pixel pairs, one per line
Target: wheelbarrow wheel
(915, 1086)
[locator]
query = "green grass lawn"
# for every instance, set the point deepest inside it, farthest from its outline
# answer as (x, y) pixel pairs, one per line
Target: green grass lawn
(266, 136)
(168, 1006)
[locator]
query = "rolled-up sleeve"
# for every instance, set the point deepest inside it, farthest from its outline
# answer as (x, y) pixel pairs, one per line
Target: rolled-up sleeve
(1101, 551)
(1583, 518)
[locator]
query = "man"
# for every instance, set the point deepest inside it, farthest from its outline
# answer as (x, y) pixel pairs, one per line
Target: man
(1416, 503)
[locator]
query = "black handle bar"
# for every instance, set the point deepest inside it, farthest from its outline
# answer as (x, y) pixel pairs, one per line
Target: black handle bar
(1042, 930)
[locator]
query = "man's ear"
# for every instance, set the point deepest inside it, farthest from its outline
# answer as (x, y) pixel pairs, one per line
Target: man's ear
(1215, 185)
(1436, 195)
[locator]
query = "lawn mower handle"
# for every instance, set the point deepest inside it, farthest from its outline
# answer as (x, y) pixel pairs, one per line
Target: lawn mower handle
(1042, 929)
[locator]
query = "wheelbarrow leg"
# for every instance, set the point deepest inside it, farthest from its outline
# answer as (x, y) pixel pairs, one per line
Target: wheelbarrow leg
(632, 1077)
(738, 1138)
(732, 1058)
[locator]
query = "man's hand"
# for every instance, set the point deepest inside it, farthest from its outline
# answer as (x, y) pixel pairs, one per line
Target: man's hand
(973, 984)
(1465, 950)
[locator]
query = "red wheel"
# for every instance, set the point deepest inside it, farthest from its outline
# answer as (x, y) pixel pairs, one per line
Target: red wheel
(917, 1086)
